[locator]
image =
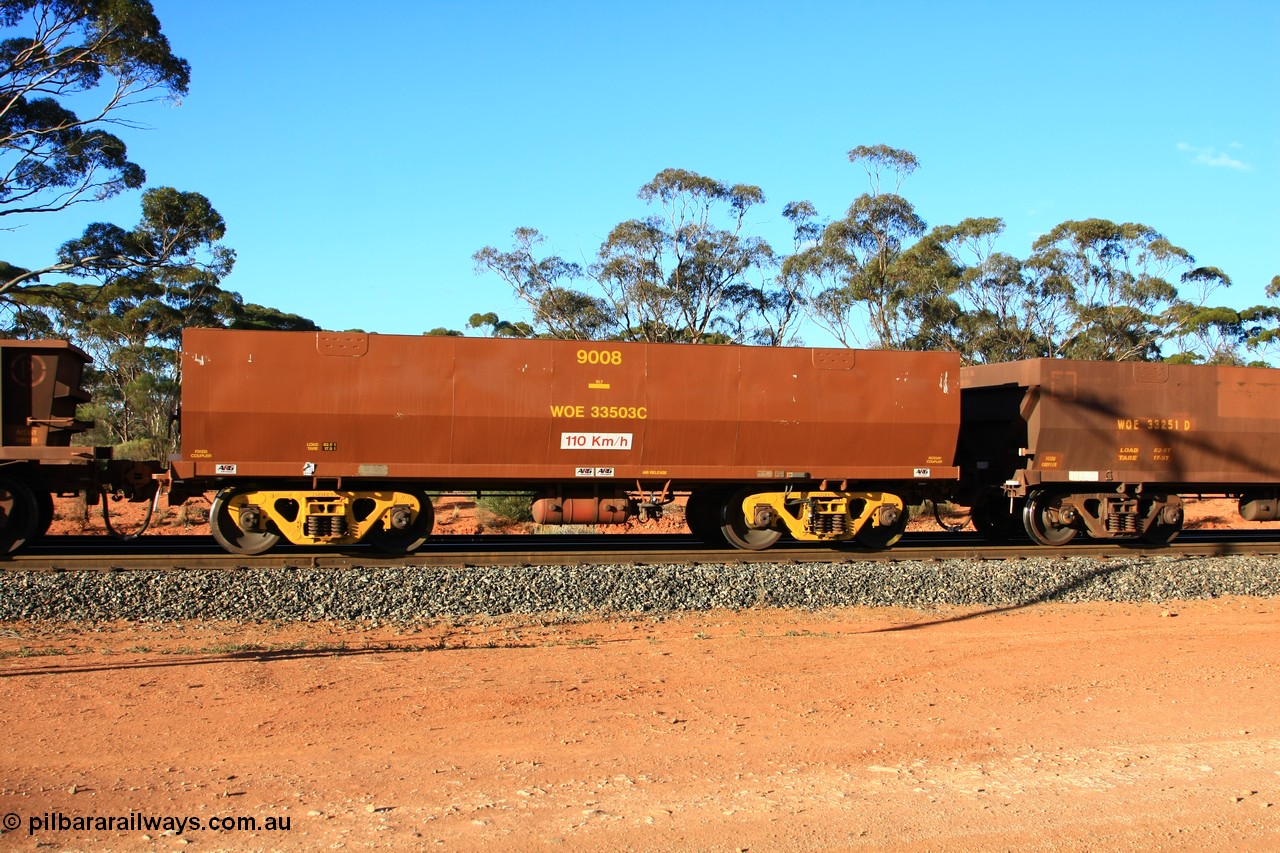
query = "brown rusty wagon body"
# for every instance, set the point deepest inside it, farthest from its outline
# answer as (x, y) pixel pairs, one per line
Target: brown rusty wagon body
(41, 384)
(337, 436)
(42, 387)
(1107, 447)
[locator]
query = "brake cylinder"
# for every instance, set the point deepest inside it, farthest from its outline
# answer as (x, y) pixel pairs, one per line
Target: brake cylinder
(1259, 506)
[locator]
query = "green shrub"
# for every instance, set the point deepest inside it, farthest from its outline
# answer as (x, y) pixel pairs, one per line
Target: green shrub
(516, 507)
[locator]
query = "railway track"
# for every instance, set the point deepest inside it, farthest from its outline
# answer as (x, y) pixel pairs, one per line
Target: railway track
(93, 553)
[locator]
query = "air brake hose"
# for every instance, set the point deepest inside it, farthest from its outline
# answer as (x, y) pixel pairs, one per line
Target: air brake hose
(146, 522)
(937, 515)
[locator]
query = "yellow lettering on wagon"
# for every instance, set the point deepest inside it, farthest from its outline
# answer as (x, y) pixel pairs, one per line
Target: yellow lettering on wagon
(1161, 424)
(1170, 424)
(599, 356)
(614, 413)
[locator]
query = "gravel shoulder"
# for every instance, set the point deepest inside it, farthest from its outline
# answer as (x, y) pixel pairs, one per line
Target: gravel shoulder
(1041, 725)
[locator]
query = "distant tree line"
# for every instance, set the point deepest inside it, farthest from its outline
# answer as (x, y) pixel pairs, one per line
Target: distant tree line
(878, 277)
(70, 73)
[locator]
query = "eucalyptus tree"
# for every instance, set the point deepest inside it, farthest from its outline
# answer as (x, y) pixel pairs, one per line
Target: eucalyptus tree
(249, 315)
(849, 279)
(154, 278)
(1262, 326)
(689, 273)
(545, 285)
(1003, 310)
(70, 73)
(1119, 284)
(1198, 331)
(499, 328)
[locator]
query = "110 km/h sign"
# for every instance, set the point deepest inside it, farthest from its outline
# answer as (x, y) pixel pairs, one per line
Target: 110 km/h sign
(595, 441)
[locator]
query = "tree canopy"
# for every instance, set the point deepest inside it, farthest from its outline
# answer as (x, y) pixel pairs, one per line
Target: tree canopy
(72, 72)
(688, 273)
(103, 56)
(879, 276)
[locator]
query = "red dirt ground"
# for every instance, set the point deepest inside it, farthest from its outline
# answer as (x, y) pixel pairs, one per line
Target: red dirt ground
(1048, 727)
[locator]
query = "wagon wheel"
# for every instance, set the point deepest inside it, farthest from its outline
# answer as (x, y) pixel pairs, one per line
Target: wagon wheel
(19, 514)
(994, 518)
(1041, 519)
(1166, 526)
(733, 525)
(44, 517)
(224, 523)
(409, 538)
(881, 536)
(702, 514)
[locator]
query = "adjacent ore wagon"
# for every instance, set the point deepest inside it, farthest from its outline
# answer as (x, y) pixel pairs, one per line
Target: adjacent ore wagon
(339, 437)
(1108, 447)
(41, 384)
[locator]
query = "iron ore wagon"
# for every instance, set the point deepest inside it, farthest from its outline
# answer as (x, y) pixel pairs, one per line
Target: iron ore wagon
(41, 384)
(1107, 448)
(339, 437)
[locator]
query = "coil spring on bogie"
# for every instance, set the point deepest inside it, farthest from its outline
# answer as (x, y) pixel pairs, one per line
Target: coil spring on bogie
(1122, 519)
(828, 523)
(322, 526)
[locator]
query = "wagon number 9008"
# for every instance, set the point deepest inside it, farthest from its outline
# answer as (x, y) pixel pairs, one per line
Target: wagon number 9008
(599, 356)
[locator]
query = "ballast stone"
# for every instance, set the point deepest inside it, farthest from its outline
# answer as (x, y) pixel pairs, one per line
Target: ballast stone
(413, 595)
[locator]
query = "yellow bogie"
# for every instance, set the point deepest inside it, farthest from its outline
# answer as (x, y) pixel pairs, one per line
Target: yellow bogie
(392, 519)
(830, 516)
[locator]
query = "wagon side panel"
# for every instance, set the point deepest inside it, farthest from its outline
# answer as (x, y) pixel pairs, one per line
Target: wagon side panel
(1183, 427)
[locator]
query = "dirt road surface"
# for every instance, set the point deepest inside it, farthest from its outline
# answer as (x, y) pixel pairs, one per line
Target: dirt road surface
(1047, 727)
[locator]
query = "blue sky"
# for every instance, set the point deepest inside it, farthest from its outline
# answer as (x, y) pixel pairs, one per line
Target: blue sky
(362, 153)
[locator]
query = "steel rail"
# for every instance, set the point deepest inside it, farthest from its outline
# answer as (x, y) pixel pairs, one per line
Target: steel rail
(177, 553)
